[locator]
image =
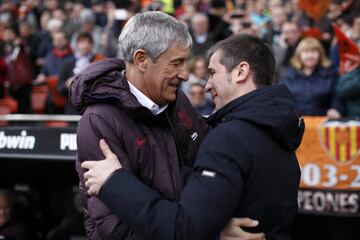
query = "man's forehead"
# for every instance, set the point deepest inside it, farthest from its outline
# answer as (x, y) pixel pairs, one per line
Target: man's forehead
(215, 58)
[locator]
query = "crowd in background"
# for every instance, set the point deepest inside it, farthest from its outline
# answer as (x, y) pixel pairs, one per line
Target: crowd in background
(44, 43)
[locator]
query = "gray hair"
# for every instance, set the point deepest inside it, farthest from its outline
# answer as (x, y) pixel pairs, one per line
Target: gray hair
(154, 32)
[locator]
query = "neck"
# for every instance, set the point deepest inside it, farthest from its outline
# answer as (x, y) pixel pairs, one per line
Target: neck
(245, 88)
(136, 78)
(308, 70)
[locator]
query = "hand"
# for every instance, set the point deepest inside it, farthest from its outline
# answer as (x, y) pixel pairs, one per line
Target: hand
(41, 78)
(282, 41)
(68, 82)
(39, 61)
(333, 114)
(99, 171)
(233, 231)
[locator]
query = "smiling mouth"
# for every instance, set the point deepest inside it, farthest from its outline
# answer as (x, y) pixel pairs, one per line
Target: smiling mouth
(214, 95)
(174, 85)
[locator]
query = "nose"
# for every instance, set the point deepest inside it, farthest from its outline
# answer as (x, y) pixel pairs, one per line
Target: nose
(208, 86)
(183, 74)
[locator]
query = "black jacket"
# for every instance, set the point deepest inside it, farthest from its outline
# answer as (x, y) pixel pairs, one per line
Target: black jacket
(246, 167)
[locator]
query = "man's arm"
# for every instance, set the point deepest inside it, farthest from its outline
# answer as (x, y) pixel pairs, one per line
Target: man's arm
(208, 201)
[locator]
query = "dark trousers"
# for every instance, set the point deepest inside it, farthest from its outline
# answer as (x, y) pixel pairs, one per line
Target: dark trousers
(22, 95)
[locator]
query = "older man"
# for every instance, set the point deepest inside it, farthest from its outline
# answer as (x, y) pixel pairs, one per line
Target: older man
(136, 107)
(246, 166)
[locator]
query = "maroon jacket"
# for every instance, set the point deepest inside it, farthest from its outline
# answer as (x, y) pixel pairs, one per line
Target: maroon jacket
(158, 149)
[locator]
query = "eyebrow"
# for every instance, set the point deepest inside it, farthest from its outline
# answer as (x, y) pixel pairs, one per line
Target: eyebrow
(179, 59)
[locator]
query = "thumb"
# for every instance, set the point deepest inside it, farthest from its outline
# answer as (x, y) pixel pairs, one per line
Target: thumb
(87, 164)
(244, 222)
(105, 149)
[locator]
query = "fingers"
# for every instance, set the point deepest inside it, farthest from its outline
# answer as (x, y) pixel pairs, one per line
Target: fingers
(240, 234)
(236, 233)
(105, 149)
(91, 183)
(244, 222)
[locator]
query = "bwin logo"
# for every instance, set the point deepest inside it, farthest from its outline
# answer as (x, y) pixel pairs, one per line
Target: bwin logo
(17, 142)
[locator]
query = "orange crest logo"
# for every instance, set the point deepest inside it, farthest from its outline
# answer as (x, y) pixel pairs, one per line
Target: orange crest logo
(341, 141)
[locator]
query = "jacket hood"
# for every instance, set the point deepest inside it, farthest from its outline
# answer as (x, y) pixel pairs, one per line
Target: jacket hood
(271, 108)
(99, 82)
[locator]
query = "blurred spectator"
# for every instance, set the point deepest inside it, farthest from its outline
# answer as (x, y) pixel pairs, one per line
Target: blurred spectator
(98, 7)
(198, 100)
(84, 55)
(19, 69)
(198, 73)
(60, 54)
(8, 13)
(51, 5)
(312, 81)
(202, 38)
(284, 47)
(320, 29)
(348, 88)
(11, 228)
(30, 42)
(186, 11)
(243, 26)
(218, 24)
(3, 69)
(108, 43)
(259, 15)
(49, 27)
(278, 18)
(87, 24)
(72, 11)
(28, 12)
(66, 25)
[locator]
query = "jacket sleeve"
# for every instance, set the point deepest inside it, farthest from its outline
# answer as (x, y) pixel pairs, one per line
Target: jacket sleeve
(208, 200)
(348, 86)
(100, 223)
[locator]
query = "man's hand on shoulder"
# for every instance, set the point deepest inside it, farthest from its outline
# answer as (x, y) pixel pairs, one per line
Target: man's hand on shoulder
(99, 171)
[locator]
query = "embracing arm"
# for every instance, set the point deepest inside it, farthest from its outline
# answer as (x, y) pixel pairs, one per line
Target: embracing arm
(207, 203)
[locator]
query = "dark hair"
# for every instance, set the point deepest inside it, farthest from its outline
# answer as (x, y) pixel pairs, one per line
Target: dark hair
(61, 31)
(244, 47)
(83, 36)
(10, 28)
(9, 196)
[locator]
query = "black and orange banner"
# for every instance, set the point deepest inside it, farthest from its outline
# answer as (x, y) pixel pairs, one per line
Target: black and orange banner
(348, 52)
(330, 167)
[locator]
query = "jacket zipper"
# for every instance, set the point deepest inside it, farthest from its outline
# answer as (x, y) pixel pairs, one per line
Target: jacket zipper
(178, 154)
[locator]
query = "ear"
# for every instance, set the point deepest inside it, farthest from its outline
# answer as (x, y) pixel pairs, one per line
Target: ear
(140, 59)
(242, 71)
